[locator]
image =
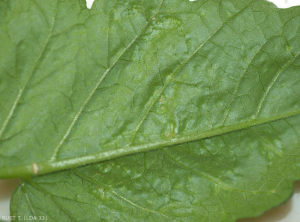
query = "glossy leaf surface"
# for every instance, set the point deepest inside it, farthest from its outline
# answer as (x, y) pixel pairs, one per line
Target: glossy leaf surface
(210, 88)
(79, 85)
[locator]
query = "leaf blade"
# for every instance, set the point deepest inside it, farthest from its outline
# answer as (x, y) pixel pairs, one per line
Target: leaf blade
(57, 121)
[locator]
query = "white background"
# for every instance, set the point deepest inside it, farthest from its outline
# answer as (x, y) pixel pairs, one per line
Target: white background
(289, 212)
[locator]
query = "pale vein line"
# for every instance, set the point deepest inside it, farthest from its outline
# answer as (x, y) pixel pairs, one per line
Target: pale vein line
(48, 167)
(94, 182)
(21, 91)
(172, 76)
(207, 176)
(56, 150)
(139, 207)
(239, 83)
(11, 112)
(29, 202)
(288, 64)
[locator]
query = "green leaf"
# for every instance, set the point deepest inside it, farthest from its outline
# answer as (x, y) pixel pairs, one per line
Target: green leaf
(211, 87)
(80, 86)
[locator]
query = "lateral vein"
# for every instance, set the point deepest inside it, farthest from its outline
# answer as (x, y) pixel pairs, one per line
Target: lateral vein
(21, 91)
(56, 150)
(151, 104)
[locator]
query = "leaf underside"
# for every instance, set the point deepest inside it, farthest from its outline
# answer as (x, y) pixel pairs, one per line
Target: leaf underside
(209, 88)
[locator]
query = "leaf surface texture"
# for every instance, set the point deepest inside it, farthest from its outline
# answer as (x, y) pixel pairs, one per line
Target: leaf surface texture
(210, 88)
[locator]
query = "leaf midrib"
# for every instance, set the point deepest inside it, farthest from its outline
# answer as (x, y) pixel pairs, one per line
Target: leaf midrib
(48, 167)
